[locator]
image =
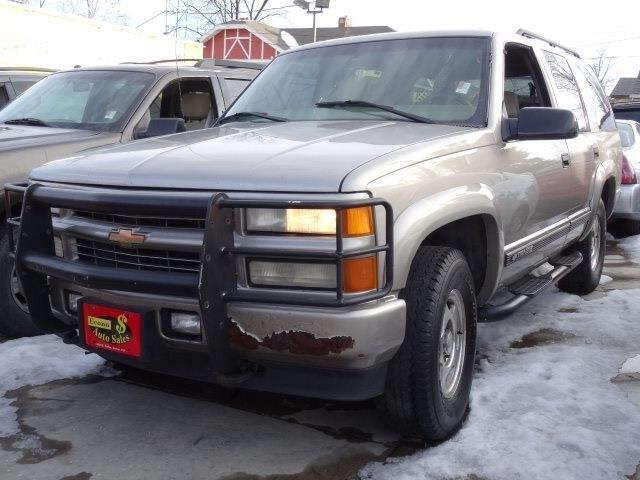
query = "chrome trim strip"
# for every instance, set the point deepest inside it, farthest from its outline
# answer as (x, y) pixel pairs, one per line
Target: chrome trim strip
(534, 242)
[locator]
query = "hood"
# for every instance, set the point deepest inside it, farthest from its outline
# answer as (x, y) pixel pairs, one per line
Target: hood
(286, 157)
(23, 136)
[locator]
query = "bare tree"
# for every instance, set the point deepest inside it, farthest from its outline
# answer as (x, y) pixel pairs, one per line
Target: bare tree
(92, 7)
(601, 66)
(198, 17)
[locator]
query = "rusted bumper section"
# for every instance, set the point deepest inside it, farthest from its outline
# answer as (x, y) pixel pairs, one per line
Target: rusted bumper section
(346, 338)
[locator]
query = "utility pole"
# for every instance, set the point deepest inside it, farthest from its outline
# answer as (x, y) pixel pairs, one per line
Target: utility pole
(237, 9)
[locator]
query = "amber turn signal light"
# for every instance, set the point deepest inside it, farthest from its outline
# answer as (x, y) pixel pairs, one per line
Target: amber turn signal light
(360, 274)
(357, 222)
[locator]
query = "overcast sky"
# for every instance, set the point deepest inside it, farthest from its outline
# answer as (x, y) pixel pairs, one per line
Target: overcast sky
(584, 25)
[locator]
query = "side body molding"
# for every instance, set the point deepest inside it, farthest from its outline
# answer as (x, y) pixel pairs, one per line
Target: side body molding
(427, 215)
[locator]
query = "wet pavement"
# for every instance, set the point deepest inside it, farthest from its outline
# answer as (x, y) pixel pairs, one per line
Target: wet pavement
(141, 426)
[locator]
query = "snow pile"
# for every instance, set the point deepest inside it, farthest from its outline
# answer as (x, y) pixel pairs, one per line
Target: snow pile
(34, 361)
(631, 366)
(546, 411)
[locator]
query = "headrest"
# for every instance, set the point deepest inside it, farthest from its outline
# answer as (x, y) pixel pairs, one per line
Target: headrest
(196, 105)
(512, 104)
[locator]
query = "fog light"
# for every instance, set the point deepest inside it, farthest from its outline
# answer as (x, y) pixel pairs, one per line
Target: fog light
(186, 323)
(291, 274)
(57, 242)
(72, 301)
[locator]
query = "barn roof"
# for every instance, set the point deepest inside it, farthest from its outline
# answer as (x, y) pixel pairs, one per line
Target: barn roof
(305, 35)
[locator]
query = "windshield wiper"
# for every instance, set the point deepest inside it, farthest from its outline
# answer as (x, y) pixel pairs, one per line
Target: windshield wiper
(239, 115)
(377, 106)
(36, 122)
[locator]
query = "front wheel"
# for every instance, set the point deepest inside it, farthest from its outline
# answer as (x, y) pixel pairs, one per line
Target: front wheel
(429, 379)
(15, 320)
(586, 277)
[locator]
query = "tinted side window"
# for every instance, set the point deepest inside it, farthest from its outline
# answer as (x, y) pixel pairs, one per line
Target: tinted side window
(21, 85)
(567, 88)
(594, 96)
(235, 86)
(4, 96)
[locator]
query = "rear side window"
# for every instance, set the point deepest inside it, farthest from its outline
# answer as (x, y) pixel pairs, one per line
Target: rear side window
(21, 85)
(235, 86)
(567, 88)
(594, 96)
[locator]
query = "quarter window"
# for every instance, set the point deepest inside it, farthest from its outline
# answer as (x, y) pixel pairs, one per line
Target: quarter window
(567, 88)
(595, 98)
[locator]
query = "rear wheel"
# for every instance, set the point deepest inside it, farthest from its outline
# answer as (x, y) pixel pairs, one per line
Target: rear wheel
(429, 379)
(15, 320)
(624, 228)
(586, 277)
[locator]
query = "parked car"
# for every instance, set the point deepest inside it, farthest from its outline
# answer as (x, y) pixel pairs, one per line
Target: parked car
(627, 111)
(625, 220)
(15, 80)
(342, 229)
(73, 111)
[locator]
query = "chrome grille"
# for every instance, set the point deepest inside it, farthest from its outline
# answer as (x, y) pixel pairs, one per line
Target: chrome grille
(111, 255)
(142, 221)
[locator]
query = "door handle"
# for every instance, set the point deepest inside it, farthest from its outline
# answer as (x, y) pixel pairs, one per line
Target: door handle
(596, 152)
(566, 160)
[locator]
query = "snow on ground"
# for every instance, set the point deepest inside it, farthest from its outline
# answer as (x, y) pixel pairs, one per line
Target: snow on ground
(548, 409)
(34, 361)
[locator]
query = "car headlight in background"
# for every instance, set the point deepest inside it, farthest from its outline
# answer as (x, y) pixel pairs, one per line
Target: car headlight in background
(310, 221)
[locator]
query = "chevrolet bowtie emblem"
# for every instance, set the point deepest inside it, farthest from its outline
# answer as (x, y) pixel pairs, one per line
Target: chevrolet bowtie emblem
(127, 237)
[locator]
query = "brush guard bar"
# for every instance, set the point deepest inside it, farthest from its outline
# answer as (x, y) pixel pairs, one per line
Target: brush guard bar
(217, 283)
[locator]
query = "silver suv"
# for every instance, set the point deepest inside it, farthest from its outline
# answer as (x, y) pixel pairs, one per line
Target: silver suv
(341, 231)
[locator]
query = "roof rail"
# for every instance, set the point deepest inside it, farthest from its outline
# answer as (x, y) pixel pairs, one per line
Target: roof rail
(211, 62)
(529, 34)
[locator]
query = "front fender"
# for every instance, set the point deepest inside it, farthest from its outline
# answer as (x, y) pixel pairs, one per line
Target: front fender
(414, 224)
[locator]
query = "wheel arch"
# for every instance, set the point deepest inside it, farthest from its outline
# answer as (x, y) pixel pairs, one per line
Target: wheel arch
(460, 219)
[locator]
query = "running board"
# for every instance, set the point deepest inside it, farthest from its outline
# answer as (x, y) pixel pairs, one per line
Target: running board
(530, 286)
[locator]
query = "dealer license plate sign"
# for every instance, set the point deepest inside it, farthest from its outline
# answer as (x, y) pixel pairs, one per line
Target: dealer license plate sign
(112, 329)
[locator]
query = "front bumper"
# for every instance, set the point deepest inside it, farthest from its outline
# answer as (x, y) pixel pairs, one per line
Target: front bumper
(627, 205)
(333, 348)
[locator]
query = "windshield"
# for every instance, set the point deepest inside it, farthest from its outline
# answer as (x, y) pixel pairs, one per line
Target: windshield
(91, 100)
(626, 134)
(440, 79)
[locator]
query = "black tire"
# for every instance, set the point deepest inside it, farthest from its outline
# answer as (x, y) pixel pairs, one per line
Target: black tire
(624, 228)
(14, 321)
(585, 278)
(414, 401)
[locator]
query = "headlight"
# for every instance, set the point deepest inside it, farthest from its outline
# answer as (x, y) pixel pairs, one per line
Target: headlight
(355, 221)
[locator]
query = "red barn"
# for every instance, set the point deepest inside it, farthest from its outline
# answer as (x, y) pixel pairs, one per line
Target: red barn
(243, 40)
(253, 40)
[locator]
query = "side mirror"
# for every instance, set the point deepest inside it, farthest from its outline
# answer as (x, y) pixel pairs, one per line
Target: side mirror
(542, 123)
(163, 126)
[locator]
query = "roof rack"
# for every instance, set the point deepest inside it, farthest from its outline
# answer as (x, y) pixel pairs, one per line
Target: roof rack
(529, 34)
(211, 62)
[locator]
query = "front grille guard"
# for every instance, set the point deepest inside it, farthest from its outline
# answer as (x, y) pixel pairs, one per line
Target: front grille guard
(217, 283)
